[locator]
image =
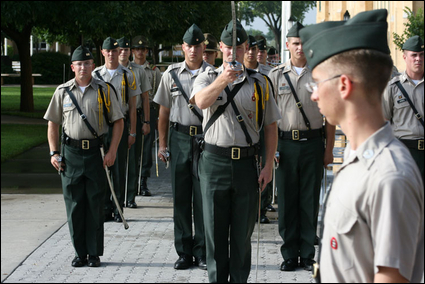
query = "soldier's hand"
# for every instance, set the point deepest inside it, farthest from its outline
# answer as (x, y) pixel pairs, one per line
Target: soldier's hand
(265, 177)
(229, 74)
(57, 163)
(146, 128)
(109, 159)
(131, 141)
(161, 154)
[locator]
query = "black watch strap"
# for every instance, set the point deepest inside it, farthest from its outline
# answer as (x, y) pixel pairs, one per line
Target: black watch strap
(52, 153)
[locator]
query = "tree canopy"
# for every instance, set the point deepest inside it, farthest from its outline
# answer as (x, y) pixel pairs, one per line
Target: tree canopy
(414, 26)
(271, 13)
(89, 23)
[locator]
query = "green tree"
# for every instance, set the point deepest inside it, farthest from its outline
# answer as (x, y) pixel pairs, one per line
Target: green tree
(271, 12)
(18, 18)
(414, 26)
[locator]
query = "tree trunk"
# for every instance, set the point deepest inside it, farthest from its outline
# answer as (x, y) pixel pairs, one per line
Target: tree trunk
(23, 44)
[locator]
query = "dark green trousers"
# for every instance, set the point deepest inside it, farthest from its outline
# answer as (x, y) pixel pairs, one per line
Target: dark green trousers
(418, 156)
(230, 199)
(267, 193)
(186, 198)
(118, 171)
(135, 153)
(84, 187)
(298, 179)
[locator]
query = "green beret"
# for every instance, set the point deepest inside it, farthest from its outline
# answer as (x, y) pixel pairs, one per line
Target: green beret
(252, 41)
(272, 51)
(366, 30)
(193, 35)
(139, 42)
(227, 34)
(261, 42)
(81, 54)
(109, 43)
(294, 31)
(123, 42)
(415, 43)
(210, 42)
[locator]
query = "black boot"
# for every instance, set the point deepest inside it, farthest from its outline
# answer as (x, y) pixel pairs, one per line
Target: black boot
(144, 191)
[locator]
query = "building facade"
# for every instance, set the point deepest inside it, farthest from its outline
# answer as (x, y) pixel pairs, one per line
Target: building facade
(337, 10)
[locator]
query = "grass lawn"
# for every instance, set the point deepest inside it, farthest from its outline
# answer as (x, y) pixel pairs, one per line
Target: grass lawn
(17, 138)
(10, 101)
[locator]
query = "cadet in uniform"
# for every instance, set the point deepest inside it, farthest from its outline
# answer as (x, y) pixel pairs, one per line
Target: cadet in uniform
(82, 169)
(211, 50)
(250, 61)
(250, 58)
(124, 82)
(374, 213)
(302, 152)
(262, 49)
(405, 121)
(184, 121)
(142, 102)
(140, 50)
(227, 167)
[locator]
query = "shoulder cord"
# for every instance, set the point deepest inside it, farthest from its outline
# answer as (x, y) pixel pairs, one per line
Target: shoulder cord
(106, 103)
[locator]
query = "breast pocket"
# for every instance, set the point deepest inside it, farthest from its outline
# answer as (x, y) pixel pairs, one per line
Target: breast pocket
(177, 96)
(342, 241)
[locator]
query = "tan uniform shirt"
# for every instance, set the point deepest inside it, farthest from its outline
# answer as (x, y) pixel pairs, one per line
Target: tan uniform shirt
(398, 111)
(263, 69)
(226, 130)
(62, 110)
(117, 82)
(154, 76)
(141, 79)
(170, 96)
(374, 214)
(292, 118)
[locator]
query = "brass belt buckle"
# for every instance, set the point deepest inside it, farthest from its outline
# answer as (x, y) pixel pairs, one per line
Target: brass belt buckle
(295, 135)
(421, 145)
(193, 130)
(236, 153)
(85, 144)
(190, 106)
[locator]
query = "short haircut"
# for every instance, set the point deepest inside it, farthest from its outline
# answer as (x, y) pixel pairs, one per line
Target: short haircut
(371, 67)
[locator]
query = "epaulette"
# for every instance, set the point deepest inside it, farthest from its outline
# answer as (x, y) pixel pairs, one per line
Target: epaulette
(394, 80)
(174, 66)
(153, 67)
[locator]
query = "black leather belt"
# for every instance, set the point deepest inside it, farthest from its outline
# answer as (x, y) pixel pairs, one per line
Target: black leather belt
(84, 144)
(235, 153)
(189, 130)
(414, 144)
(300, 134)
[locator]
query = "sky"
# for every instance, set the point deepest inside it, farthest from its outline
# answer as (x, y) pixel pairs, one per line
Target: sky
(258, 24)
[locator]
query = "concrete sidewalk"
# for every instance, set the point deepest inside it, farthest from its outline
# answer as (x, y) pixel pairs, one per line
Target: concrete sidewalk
(36, 245)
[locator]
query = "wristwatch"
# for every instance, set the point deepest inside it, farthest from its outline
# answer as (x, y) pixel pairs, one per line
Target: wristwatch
(52, 153)
(133, 134)
(146, 121)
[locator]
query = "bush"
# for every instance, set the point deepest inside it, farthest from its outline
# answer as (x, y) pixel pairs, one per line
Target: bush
(50, 65)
